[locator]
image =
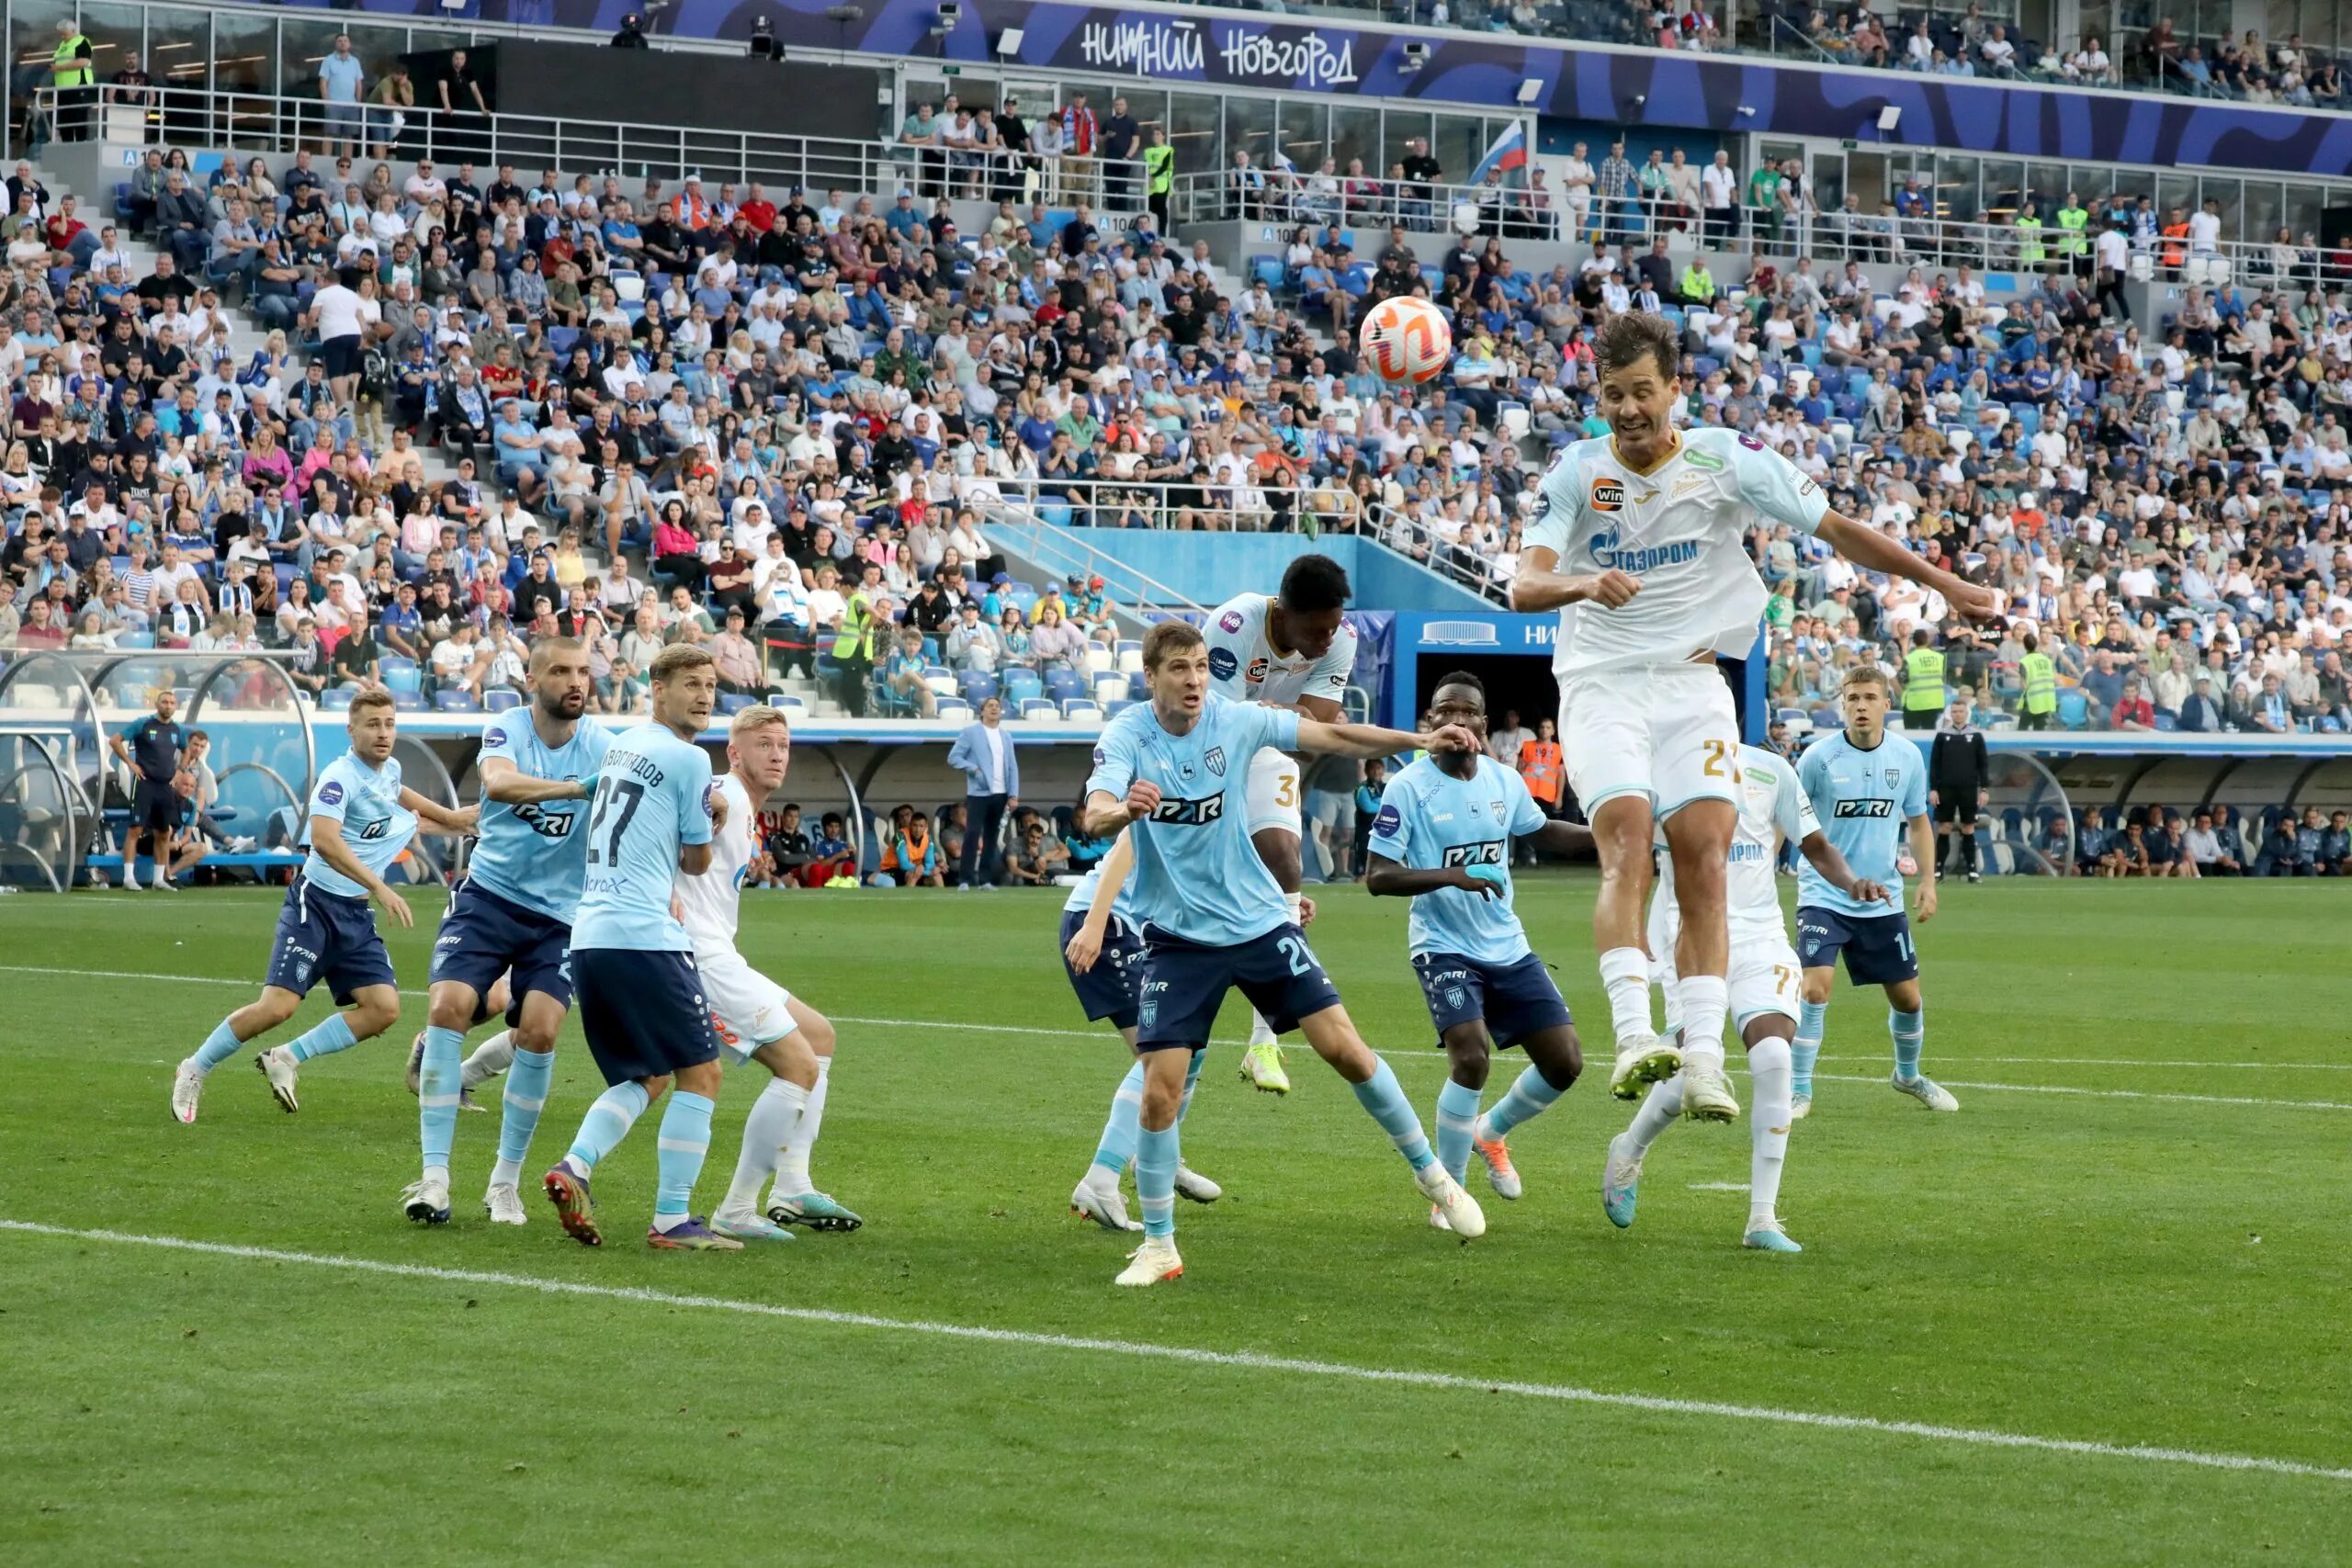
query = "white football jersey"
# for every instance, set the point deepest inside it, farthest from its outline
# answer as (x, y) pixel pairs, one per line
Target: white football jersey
(1244, 666)
(1680, 529)
(1772, 805)
(711, 902)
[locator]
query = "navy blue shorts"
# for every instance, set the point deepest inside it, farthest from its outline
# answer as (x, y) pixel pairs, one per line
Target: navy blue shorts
(1182, 984)
(483, 936)
(1107, 990)
(156, 806)
(1877, 947)
(1515, 999)
(327, 937)
(643, 1012)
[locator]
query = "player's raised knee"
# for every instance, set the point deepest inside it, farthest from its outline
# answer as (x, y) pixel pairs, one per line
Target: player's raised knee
(453, 1006)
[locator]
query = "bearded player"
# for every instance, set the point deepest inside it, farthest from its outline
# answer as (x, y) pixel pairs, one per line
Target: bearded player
(1637, 539)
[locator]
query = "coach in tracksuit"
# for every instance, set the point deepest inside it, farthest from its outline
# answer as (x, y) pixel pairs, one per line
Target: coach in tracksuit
(1958, 771)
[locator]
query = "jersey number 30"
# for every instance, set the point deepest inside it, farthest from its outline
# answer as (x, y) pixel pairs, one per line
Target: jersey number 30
(605, 847)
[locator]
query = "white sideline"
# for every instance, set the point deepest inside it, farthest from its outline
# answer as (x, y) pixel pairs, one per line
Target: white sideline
(1238, 1359)
(1099, 1035)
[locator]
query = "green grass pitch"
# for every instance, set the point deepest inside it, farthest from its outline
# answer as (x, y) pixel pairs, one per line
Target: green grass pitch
(2129, 1247)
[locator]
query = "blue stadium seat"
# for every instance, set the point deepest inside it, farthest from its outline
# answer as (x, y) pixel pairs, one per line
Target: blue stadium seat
(2073, 708)
(1022, 686)
(455, 702)
(410, 702)
(403, 676)
(732, 702)
(1061, 685)
(1116, 706)
(1080, 710)
(1039, 710)
(502, 699)
(954, 710)
(336, 699)
(976, 686)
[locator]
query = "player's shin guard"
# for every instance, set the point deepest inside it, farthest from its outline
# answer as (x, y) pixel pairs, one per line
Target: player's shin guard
(1117, 1145)
(1768, 1077)
(1909, 1032)
(606, 1123)
(1527, 1099)
(1626, 976)
(218, 1047)
(436, 1096)
(1156, 1157)
(1702, 1001)
(1661, 1107)
(1811, 1019)
(765, 1131)
(526, 1097)
(332, 1033)
(792, 1177)
(1384, 1097)
(684, 1141)
(1457, 1116)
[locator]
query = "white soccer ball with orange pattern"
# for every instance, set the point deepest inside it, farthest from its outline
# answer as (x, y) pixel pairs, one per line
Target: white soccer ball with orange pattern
(1406, 340)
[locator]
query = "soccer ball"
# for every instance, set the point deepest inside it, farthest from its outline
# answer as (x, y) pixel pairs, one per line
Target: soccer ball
(1406, 340)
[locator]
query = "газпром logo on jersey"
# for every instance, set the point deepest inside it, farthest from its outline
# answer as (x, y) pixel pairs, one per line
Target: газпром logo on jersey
(1608, 556)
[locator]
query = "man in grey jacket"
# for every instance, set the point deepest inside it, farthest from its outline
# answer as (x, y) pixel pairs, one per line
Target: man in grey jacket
(991, 787)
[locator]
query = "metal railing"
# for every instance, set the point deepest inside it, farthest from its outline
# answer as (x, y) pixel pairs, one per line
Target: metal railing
(1279, 195)
(1450, 562)
(248, 123)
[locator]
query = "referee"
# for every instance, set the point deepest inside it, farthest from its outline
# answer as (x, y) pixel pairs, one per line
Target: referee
(1958, 768)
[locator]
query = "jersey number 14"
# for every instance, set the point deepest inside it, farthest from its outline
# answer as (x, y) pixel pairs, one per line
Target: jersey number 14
(605, 846)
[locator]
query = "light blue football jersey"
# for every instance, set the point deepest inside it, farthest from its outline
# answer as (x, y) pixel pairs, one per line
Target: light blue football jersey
(1862, 799)
(1197, 876)
(376, 827)
(1090, 888)
(1430, 818)
(534, 855)
(652, 796)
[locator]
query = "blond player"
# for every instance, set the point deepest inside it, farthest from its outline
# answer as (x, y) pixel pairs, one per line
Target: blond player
(1638, 540)
(1291, 649)
(1763, 987)
(758, 1019)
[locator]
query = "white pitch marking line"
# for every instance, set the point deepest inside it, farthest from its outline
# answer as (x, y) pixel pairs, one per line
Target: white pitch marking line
(1240, 1360)
(1438, 1055)
(1718, 1187)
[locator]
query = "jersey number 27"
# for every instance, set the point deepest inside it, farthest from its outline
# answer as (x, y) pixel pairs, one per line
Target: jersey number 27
(605, 847)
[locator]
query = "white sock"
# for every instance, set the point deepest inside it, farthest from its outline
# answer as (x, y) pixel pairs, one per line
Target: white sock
(1661, 1107)
(506, 1173)
(492, 1057)
(440, 1172)
(772, 1119)
(1702, 1000)
(1768, 1076)
(792, 1158)
(1626, 975)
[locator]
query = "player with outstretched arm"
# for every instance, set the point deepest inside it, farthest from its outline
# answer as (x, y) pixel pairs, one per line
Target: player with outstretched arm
(1174, 771)
(1638, 540)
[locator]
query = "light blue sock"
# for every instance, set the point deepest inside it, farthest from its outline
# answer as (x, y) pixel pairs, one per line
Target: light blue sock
(1157, 1155)
(685, 1139)
(1383, 1096)
(1910, 1033)
(1811, 1017)
(526, 1093)
(1119, 1144)
(1457, 1112)
(1191, 1077)
(218, 1047)
(436, 1094)
(1527, 1099)
(330, 1035)
(606, 1123)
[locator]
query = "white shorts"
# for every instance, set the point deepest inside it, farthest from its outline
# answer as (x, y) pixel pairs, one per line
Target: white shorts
(749, 1008)
(1763, 979)
(1667, 731)
(1273, 792)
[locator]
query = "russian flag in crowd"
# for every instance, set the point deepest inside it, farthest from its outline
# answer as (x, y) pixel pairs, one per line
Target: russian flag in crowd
(1508, 153)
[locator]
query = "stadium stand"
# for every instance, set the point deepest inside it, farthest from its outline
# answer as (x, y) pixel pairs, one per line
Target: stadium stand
(781, 420)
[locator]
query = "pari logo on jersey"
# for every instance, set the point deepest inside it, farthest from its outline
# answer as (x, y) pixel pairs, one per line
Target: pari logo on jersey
(1489, 852)
(1864, 808)
(1184, 813)
(545, 822)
